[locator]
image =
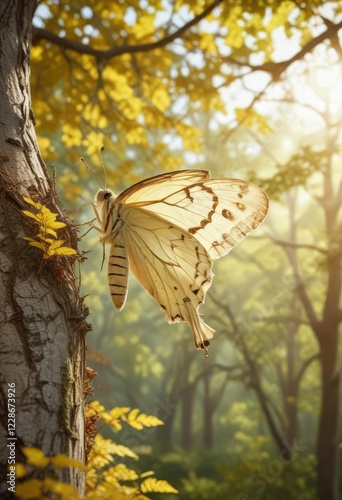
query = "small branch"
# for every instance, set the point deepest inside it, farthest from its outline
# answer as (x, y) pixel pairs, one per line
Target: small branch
(223, 368)
(285, 319)
(276, 69)
(304, 367)
(308, 246)
(284, 243)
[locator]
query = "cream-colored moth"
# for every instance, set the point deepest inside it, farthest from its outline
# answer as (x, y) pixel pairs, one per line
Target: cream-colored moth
(168, 229)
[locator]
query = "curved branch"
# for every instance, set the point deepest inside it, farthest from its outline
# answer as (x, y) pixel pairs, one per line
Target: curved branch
(102, 55)
(304, 367)
(274, 68)
(277, 68)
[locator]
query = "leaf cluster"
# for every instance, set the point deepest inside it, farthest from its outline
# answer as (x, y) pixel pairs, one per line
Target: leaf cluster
(295, 173)
(47, 238)
(107, 476)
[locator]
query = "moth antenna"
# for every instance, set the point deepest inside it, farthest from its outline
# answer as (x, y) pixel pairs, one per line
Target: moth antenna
(91, 171)
(103, 166)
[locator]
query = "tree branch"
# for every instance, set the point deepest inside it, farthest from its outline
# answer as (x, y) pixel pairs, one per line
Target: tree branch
(102, 55)
(277, 68)
(284, 243)
(304, 367)
(308, 246)
(273, 68)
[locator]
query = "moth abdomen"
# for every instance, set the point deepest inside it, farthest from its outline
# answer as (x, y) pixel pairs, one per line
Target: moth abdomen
(118, 272)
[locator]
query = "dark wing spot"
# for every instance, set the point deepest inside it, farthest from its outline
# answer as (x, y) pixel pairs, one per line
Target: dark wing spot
(175, 288)
(205, 344)
(244, 188)
(176, 317)
(186, 299)
(163, 307)
(240, 206)
(227, 214)
(195, 291)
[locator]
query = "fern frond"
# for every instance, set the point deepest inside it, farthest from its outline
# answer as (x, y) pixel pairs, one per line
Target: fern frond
(153, 485)
(139, 420)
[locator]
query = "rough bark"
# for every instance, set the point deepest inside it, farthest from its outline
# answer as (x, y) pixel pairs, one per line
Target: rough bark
(42, 325)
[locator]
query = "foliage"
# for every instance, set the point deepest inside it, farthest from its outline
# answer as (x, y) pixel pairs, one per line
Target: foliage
(106, 476)
(123, 76)
(296, 172)
(105, 480)
(213, 475)
(35, 488)
(46, 239)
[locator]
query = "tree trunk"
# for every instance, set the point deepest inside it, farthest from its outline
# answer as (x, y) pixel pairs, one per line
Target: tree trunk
(208, 415)
(328, 337)
(292, 387)
(187, 409)
(42, 326)
(327, 443)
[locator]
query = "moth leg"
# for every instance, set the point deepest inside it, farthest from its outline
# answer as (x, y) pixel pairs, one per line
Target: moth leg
(103, 255)
(88, 230)
(77, 209)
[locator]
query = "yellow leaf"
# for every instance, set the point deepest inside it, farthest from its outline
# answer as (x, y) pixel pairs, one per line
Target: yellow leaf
(62, 460)
(32, 215)
(123, 473)
(57, 225)
(29, 490)
(65, 251)
(37, 205)
(147, 474)
(48, 231)
(123, 451)
(35, 456)
(139, 421)
(37, 245)
(20, 471)
(114, 416)
(158, 486)
(54, 486)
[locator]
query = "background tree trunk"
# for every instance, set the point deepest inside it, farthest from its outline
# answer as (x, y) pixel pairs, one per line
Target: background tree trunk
(42, 327)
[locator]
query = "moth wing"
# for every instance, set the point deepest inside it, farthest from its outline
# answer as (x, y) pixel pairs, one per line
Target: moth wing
(172, 266)
(161, 186)
(219, 213)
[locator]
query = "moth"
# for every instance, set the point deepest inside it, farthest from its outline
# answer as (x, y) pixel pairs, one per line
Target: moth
(168, 229)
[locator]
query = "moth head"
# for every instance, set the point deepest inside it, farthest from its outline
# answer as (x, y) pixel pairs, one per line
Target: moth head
(104, 195)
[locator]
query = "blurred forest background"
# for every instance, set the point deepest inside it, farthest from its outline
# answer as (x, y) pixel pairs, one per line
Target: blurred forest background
(243, 89)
